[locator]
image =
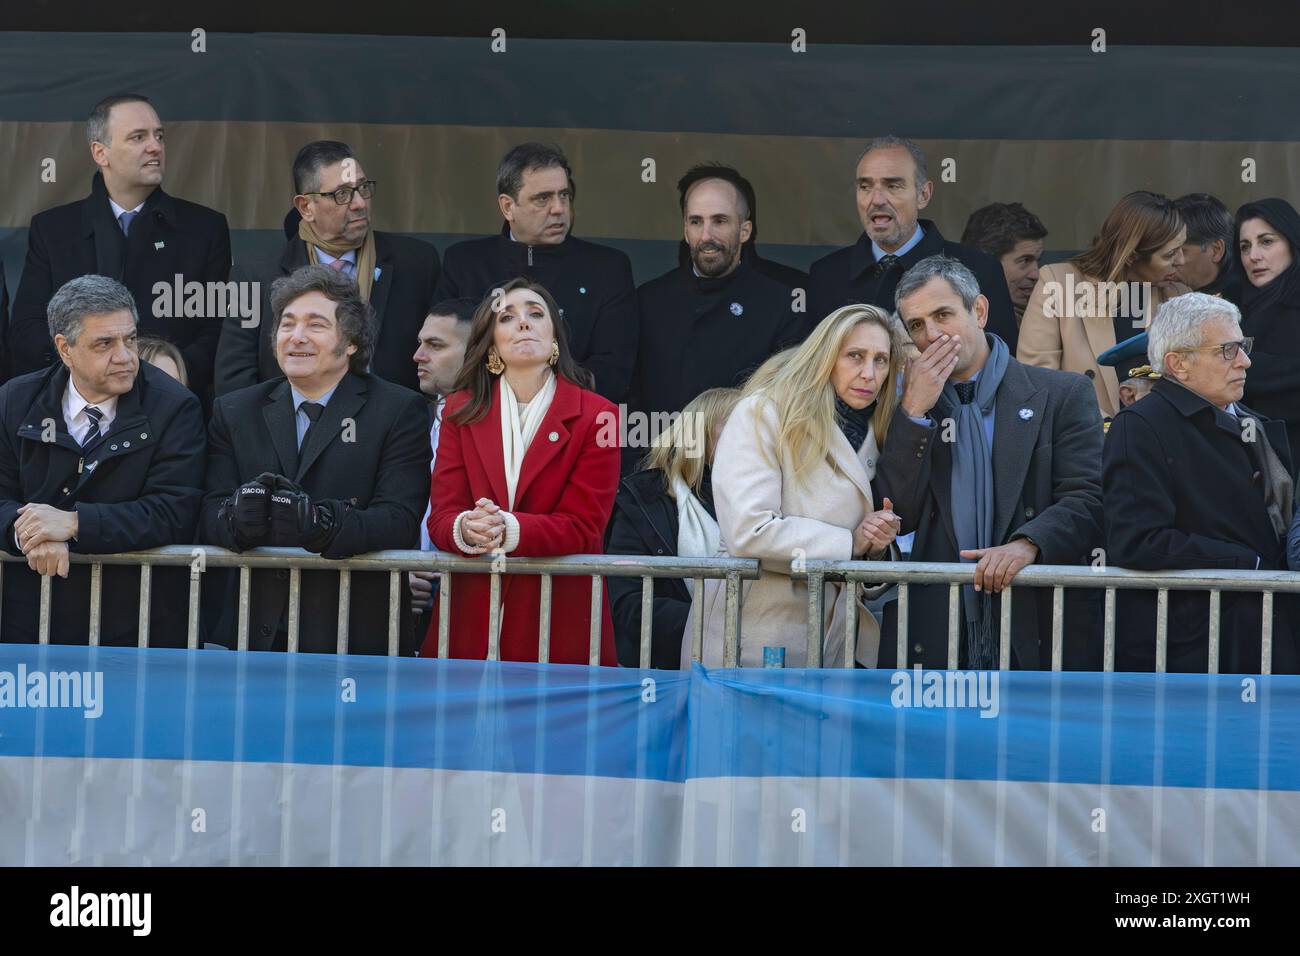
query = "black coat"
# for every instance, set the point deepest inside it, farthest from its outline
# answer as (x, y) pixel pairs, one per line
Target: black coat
(592, 285)
(1047, 487)
(1273, 380)
(4, 328)
(645, 523)
(848, 275)
(170, 237)
(142, 490)
(1183, 492)
(698, 334)
(382, 474)
(400, 299)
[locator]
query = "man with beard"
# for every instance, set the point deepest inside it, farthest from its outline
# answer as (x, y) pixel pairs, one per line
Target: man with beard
(592, 284)
(892, 187)
(788, 276)
(712, 320)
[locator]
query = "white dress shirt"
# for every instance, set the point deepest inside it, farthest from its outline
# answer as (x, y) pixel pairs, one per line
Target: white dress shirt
(77, 421)
(426, 544)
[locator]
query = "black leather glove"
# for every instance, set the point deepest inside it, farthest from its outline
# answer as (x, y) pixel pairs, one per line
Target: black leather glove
(248, 510)
(297, 522)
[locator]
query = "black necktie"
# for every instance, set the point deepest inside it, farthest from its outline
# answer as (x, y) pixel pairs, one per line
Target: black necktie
(885, 263)
(312, 410)
(92, 433)
(965, 392)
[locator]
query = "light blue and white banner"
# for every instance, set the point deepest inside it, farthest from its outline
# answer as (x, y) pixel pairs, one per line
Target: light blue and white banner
(169, 757)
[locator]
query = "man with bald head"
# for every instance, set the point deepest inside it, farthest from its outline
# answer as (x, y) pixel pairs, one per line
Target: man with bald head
(130, 230)
(714, 318)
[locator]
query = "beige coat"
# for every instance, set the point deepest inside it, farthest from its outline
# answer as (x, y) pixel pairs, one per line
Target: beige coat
(1069, 340)
(764, 514)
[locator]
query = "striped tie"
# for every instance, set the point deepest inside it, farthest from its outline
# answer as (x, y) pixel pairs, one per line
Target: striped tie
(92, 433)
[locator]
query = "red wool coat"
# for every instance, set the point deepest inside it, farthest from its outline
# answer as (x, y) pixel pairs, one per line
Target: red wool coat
(563, 502)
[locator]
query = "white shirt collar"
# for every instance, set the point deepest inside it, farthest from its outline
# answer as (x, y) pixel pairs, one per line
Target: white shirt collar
(74, 411)
(118, 210)
(902, 250)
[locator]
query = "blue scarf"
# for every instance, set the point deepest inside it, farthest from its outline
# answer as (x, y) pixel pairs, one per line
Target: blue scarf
(972, 492)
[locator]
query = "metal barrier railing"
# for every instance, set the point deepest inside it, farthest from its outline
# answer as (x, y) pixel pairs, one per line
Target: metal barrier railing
(396, 563)
(1057, 577)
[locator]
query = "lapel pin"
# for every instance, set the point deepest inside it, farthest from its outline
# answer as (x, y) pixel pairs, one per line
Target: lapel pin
(582, 289)
(737, 309)
(1026, 413)
(554, 436)
(159, 244)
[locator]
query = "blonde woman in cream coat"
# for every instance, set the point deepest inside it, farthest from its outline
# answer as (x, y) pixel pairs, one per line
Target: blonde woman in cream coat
(792, 481)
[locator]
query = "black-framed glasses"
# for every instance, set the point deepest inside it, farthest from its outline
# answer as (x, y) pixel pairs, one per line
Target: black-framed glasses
(343, 195)
(1228, 350)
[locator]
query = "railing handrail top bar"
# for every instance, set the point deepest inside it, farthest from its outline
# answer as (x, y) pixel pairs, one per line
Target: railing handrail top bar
(1050, 575)
(654, 566)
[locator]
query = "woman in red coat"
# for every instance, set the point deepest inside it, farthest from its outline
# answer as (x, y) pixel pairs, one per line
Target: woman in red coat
(528, 465)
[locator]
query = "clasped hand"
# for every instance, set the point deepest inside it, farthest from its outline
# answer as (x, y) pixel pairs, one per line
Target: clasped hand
(43, 532)
(483, 528)
(877, 531)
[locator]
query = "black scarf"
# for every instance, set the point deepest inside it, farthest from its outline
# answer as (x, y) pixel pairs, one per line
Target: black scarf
(855, 423)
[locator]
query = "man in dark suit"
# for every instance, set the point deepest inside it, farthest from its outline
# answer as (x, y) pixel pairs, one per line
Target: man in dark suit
(892, 187)
(329, 458)
(331, 225)
(101, 453)
(592, 284)
(990, 461)
(709, 322)
(132, 231)
(1195, 479)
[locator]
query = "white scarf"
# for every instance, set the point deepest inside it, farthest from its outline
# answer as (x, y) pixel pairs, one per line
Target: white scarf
(518, 432)
(697, 532)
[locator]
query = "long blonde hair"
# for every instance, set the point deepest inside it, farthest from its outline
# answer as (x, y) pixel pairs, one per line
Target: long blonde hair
(1139, 225)
(671, 453)
(798, 382)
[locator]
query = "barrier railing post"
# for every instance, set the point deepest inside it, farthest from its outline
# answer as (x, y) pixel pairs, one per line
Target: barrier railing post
(1266, 635)
(345, 609)
(900, 659)
(394, 611)
(146, 600)
(1004, 631)
(816, 617)
(96, 594)
(544, 621)
(1058, 627)
(1212, 666)
(192, 612)
(731, 634)
(697, 623)
(1108, 636)
(954, 624)
(1162, 629)
(494, 618)
(444, 615)
(647, 618)
(295, 608)
(850, 623)
(597, 619)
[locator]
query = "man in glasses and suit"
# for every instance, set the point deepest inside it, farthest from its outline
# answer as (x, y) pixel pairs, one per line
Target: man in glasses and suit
(331, 225)
(329, 458)
(1194, 479)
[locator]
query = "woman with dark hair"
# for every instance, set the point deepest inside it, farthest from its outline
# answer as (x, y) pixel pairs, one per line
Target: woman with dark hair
(1107, 293)
(1268, 237)
(528, 464)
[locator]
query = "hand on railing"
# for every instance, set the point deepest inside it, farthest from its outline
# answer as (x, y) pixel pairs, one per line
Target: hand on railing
(997, 566)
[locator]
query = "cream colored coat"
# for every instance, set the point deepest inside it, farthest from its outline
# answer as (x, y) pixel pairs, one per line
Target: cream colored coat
(1068, 340)
(764, 514)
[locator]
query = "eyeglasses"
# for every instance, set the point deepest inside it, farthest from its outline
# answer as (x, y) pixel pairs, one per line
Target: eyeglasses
(343, 195)
(1228, 350)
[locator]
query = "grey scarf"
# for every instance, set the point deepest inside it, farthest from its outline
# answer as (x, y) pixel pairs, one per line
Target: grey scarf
(972, 492)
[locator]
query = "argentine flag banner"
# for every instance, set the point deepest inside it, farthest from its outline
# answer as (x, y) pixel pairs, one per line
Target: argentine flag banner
(173, 757)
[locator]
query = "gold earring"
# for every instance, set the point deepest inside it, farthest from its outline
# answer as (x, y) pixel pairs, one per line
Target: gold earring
(555, 352)
(494, 363)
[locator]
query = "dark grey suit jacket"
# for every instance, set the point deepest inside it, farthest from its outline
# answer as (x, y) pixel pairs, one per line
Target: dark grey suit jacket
(1047, 440)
